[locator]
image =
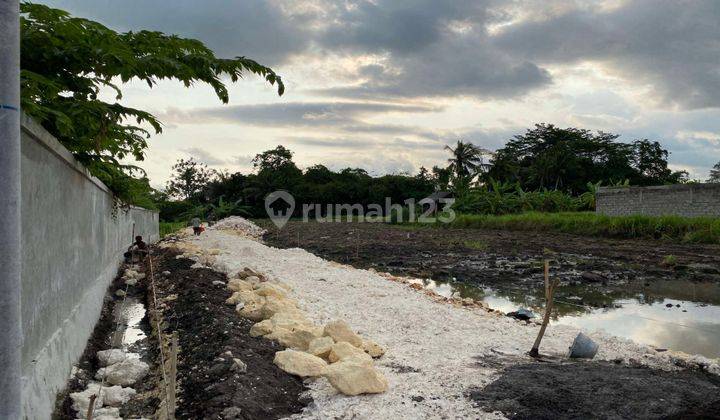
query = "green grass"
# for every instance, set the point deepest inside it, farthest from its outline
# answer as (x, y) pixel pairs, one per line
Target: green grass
(167, 228)
(477, 245)
(673, 228)
(669, 261)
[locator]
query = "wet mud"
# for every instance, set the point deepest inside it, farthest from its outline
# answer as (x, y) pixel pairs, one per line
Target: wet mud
(592, 271)
(581, 390)
(123, 324)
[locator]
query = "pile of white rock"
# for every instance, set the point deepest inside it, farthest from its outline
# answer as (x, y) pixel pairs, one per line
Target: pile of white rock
(119, 371)
(334, 351)
(241, 226)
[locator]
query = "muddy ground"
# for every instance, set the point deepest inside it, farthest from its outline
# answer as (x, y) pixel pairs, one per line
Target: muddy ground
(144, 403)
(506, 260)
(211, 386)
(578, 390)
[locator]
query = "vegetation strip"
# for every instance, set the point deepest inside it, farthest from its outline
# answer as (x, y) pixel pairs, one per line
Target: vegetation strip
(671, 228)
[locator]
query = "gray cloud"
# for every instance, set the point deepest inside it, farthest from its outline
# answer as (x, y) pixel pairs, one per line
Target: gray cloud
(447, 48)
(291, 113)
(255, 28)
(433, 48)
(673, 45)
(366, 144)
(444, 47)
(204, 156)
(403, 27)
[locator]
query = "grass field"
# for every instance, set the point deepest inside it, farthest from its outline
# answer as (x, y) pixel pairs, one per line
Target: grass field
(167, 228)
(674, 228)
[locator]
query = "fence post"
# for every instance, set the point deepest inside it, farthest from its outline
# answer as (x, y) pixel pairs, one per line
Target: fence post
(10, 246)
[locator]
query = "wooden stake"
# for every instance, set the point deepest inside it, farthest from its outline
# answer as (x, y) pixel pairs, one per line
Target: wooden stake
(549, 292)
(172, 376)
(357, 243)
(89, 414)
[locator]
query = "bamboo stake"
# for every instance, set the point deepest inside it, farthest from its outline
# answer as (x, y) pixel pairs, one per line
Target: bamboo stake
(549, 292)
(89, 414)
(357, 243)
(172, 379)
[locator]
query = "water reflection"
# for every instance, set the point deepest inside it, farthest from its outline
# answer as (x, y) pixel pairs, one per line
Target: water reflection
(690, 327)
(647, 313)
(128, 315)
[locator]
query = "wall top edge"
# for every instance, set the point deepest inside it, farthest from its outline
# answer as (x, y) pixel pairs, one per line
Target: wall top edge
(38, 133)
(674, 187)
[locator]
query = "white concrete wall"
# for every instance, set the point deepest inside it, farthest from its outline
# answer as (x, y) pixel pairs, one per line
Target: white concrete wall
(72, 246)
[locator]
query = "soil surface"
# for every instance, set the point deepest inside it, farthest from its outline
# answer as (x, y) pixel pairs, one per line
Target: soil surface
(577, 390)
(144, 403)
(504, 259)
(211, 387)
(444, 360)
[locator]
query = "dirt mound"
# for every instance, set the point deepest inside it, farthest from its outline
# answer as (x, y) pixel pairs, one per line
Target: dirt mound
(212, 384)
(599, 390)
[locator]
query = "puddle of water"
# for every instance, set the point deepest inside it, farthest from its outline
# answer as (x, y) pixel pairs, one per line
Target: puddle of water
(637, 311)
(128, 316)
(694, 331)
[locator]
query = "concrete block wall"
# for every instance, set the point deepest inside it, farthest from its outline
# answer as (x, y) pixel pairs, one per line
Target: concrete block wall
(689, 200)
(72, 246)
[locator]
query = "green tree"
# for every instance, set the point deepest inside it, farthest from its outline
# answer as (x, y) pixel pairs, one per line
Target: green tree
(561, 158)
(67, 62)
(715, 173)
(466, 161)
(188, 179)
(441, 178)
(273, 160)
(650, 160)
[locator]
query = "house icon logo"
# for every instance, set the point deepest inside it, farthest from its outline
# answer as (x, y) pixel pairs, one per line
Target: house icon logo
(279, 206)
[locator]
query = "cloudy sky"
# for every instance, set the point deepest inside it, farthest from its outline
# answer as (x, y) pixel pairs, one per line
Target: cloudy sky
(385, 84)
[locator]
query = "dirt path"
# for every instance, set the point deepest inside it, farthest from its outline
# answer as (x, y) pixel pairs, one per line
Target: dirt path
(438, 354)
(212, 384)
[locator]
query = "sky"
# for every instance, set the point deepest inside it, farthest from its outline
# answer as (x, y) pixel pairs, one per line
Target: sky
(386, 84)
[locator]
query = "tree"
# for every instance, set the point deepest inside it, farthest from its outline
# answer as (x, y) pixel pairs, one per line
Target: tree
(570, 159)
(67, 62)
(441, 178)
(273, 160)
(561, 158)
(466, 161)
(188, 179)
(715, 174)
(650, 160)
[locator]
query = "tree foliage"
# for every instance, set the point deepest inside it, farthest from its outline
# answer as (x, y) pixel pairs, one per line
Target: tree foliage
(67, 64)
(189, 177)
(275, 170)
(715, 173)
(547, 169)
(467, 161)
(569, 158)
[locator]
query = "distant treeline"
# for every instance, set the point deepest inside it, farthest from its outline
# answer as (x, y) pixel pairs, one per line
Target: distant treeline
(546, 169)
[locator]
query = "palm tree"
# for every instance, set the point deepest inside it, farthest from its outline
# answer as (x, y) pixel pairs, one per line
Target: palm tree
(467, 160)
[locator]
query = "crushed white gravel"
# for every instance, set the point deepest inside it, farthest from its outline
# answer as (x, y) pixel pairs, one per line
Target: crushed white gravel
(239, 225)
(434, 349)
